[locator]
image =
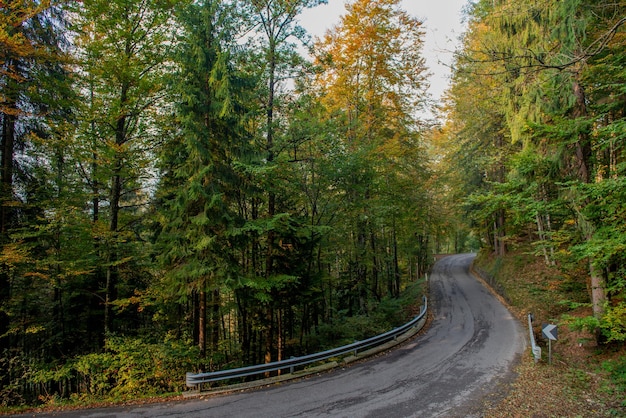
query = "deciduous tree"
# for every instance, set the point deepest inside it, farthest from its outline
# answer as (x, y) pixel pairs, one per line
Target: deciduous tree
(275, 21)
(124, 48)
(373, 85)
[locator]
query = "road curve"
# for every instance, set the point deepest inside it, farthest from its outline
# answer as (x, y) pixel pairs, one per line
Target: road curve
(448, 371)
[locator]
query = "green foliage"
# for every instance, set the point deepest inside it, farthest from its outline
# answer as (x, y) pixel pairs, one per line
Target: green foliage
(391, 312)
(129, 368)
(617, 373)
(396, 311)
(18, 371)
(586, 323)
(613, 324)
(348, 329)
(536, 105)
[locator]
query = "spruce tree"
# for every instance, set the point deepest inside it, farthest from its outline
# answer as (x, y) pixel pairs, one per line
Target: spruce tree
(199, 184)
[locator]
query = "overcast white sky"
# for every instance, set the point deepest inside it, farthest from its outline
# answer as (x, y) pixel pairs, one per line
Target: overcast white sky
(443, 23)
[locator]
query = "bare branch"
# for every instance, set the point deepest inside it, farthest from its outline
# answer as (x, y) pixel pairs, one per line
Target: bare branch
(535, 60)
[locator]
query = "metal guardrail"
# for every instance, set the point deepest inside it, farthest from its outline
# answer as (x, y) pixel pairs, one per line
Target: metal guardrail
(290, 364)
(534, 347)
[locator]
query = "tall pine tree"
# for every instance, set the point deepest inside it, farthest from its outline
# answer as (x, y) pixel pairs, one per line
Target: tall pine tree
(200, 184)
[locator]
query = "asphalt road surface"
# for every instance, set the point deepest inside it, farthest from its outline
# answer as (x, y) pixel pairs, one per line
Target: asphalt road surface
(449, 371)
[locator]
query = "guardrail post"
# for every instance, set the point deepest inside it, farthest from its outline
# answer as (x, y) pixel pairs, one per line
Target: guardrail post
(292, 368)
(188, 379)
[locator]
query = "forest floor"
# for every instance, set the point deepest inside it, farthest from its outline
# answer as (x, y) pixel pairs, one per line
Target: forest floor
(583, 379)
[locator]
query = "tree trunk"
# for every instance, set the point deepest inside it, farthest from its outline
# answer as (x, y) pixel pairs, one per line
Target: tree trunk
(112, 270)
(95, 184)
(598, 291)
(215, 319)
(583, 150)
(375, 266)
(361, 268)
(583, 162)
(244, 329)
(396, 264)
(114, 203)
(269, 336)
(279, 336)
(499, 233)
(542, 237)
(202, 321)
(271, 199)
(7, 145)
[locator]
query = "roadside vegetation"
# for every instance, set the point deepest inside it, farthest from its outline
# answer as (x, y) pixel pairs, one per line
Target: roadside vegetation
(133, 372)
(585, 379)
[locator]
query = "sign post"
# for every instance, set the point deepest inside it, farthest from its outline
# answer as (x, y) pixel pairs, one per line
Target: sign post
(549, 331)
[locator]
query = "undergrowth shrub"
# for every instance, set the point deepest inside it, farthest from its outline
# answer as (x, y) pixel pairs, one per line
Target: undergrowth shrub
(617, 373)
(19, 370)
(612, 325)
(389, 313)
(128, 367)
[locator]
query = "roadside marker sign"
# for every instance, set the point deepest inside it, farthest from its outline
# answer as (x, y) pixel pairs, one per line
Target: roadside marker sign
(549, 331)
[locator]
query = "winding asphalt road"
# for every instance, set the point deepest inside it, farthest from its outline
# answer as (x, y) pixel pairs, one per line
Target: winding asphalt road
(463, 357)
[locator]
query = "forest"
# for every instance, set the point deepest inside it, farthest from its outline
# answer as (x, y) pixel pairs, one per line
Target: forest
(186, 188)
(533, 142)
(196, 185)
